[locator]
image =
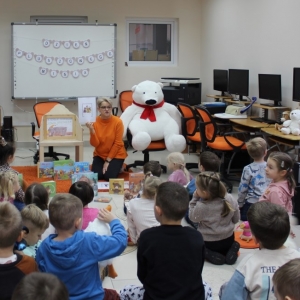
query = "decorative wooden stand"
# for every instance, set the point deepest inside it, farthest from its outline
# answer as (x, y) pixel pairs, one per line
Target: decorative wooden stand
(61, 128)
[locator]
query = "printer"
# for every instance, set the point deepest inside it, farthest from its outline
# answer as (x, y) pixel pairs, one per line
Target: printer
(182, 89)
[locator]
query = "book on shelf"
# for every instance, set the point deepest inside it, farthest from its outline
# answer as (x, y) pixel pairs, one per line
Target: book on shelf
(81, 166)
(103, 199)
(45, 169)
(116, 186)
(135, 184)
(50, 187)
(89, 177)
(63, 169)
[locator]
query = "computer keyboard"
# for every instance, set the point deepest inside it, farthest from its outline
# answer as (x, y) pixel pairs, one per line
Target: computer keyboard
(262, 120)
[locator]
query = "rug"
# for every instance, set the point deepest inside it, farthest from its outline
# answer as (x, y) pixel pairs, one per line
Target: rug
(120, 214)
(62, 186)
(250, 245)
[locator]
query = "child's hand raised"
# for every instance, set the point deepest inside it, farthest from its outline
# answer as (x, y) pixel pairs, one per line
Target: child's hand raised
(105, 215)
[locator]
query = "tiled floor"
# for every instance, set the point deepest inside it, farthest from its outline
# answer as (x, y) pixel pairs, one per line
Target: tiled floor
(126, 265)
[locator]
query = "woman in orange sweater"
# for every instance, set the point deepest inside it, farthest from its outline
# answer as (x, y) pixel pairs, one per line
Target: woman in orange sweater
(106, 136)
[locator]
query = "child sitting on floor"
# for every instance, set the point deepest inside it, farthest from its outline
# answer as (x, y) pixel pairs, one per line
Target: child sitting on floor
(9, 185)
(150, 168)
(37, 194)
(170, 257)
(286, 281)
(253, 180)
(252, 279)
(281, 190)
(13, 266)
(216, 217)
(72, 254)
(38, 285)
(7, 155)
(36, 223)
(141, 210)
(176, 164)
(85, 193)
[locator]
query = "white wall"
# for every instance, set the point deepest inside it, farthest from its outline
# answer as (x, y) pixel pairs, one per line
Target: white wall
(259, 35)
(105, 11)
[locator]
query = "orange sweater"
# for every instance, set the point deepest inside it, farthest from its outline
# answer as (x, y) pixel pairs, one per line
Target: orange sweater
(107, 140)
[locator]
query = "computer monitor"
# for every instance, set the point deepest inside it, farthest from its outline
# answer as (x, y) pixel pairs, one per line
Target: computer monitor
(296, 85)
(221, 81)
(269, 88)
(238, 83)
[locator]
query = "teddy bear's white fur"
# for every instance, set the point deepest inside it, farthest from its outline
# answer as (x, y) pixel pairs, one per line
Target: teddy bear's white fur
(166, 126)
(292, 126)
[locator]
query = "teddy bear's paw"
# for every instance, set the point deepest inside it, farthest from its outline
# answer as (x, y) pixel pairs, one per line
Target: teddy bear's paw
(285, 130)
(141, 141)
(175, 143)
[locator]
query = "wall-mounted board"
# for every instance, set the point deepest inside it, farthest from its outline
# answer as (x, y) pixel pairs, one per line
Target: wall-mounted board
(60, 60)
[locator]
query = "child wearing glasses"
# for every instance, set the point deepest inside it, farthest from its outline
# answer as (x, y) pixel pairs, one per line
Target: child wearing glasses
(106, 135)
(216, 218)
(72, 254)
(13, 266)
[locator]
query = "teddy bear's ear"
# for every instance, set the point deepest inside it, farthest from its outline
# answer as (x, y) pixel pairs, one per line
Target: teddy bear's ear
(133, 88)
(160, 84)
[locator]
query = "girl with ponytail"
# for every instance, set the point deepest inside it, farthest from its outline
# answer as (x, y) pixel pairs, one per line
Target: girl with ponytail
(216, 218)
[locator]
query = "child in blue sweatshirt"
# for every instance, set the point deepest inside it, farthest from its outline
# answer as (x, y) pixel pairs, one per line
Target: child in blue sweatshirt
(73, 255)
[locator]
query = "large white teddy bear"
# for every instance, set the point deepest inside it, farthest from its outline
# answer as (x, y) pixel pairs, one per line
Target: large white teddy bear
(149, 118)
(292, 126)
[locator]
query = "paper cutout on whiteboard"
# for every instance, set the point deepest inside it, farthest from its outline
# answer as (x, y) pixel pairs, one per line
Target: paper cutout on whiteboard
(56, 44)
(91, 58)
(19, 53)
(100, 56)
(80, 60)
(75, 74)
(85, 72)
(46, 43)
(43, 71)
(64, 74)
(48, 60)
(109, 54)
(70, 61)
(76, 44)
(38, 58)
(28, 55)
(86, 43)
(67, 44)
(53, 73)
(59, 60)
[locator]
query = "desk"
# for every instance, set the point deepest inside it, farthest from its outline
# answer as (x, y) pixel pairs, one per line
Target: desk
(250, 123)
(218, 97)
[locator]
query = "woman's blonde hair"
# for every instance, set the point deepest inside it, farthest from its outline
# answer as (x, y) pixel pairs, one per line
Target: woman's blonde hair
(177, 159)
(7, 180)
(100, 100)
(212, 184)
(150, 186)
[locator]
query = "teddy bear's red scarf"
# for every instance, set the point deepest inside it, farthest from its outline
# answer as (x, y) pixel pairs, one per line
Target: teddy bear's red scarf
(148, 112)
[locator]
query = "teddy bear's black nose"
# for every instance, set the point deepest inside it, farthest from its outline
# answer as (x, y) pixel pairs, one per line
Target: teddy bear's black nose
(151, 102)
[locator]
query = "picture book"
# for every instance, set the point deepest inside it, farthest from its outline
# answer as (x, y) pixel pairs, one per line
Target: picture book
(81, 166)
(116, 186)
(87, 110)
(45, 169)
(50, 187)
(21, 180)
(103, 199)
(63, 169)
(89, 177)
(135, 184)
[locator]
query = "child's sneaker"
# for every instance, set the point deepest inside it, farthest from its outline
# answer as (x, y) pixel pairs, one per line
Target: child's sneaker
(232, 253)
(214, 257)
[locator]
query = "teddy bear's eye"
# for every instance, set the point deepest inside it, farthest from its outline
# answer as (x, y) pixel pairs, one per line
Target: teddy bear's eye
(144, 93)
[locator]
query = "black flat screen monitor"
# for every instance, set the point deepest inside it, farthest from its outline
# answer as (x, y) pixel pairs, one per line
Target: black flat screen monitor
(221, 81)
(296, 85)
(269, 88)
(238, 83)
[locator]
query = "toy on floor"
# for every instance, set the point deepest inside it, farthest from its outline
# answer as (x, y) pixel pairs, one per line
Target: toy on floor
(246, 234)
(102, 228)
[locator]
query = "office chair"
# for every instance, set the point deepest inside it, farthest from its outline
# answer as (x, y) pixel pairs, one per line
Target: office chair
(40, 109)
(189, 129)
(126, 100)
(222, 144)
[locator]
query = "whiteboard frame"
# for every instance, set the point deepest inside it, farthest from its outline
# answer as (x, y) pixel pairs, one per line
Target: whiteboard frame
(115, 91)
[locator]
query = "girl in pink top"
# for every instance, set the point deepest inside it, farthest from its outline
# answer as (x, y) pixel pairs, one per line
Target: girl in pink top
(85, 193)
(281, 190)
(176, 163)
(9, 185)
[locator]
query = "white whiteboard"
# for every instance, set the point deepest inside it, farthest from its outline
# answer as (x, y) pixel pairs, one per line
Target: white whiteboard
(57, 60)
